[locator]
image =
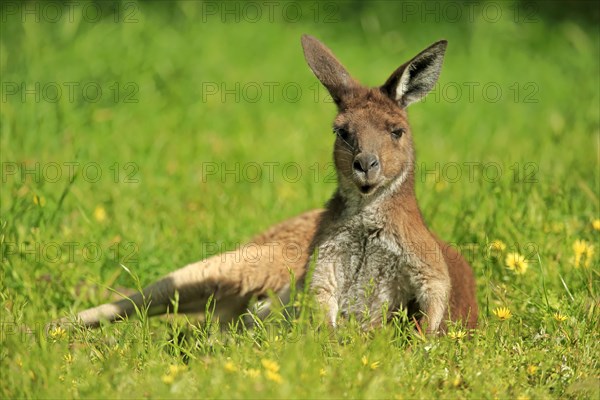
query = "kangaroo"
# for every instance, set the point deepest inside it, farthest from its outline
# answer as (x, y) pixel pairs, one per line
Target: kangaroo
(373, 248)
(374, 251)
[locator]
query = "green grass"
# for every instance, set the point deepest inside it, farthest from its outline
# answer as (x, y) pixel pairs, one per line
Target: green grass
(162, 210)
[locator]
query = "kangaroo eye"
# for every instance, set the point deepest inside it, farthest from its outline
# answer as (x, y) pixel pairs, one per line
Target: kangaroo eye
(342, 134)
(397, 133)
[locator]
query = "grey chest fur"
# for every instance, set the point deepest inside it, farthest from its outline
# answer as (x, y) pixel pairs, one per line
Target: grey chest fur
(365, 268)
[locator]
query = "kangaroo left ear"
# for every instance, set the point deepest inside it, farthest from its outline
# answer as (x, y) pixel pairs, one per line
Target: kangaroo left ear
(414, 79)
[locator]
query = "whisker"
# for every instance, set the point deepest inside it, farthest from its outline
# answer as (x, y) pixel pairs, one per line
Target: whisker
(343, 140)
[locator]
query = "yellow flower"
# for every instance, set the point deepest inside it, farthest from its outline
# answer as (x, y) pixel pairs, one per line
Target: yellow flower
(497, 245)
(596, 224)
(270, 365)
(174, 370)
(503, 313)
(230, 366)
(579, 247)
(273, 376)
(588, 256)
(177, 369)
(57, 333)
(583, 248)
(559, 317)
(252, 373)
(39, 200)
(99, 214)
(457, 334)
(457, 380)
(365, 362)
(531, 369)
(68, 358)
(322, 372)
(523, 397)
(516, 262)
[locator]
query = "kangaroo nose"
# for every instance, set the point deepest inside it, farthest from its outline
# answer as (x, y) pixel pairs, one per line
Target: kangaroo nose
(366, 162)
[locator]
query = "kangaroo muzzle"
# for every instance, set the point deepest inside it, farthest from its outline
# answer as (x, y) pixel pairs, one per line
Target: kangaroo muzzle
(367, 169)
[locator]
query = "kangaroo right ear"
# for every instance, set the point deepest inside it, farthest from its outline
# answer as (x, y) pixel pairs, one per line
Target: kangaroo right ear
(327, 68)
(414, 79)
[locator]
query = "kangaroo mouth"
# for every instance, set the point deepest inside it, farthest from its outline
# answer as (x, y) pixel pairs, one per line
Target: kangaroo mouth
(367, 186)
(367, 189)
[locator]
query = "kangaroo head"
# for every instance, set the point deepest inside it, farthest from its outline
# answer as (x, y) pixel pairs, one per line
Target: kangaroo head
(373, 149)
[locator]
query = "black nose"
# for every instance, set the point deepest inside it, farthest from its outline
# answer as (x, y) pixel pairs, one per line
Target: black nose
(365, 162)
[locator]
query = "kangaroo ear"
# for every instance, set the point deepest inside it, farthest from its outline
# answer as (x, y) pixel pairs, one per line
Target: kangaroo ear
(414, 79)
(327, 68)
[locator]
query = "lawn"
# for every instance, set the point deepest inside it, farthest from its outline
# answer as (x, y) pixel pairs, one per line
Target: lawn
(137, 137)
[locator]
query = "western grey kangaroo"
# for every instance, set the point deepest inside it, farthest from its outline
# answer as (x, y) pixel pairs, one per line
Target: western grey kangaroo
(373, 248)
